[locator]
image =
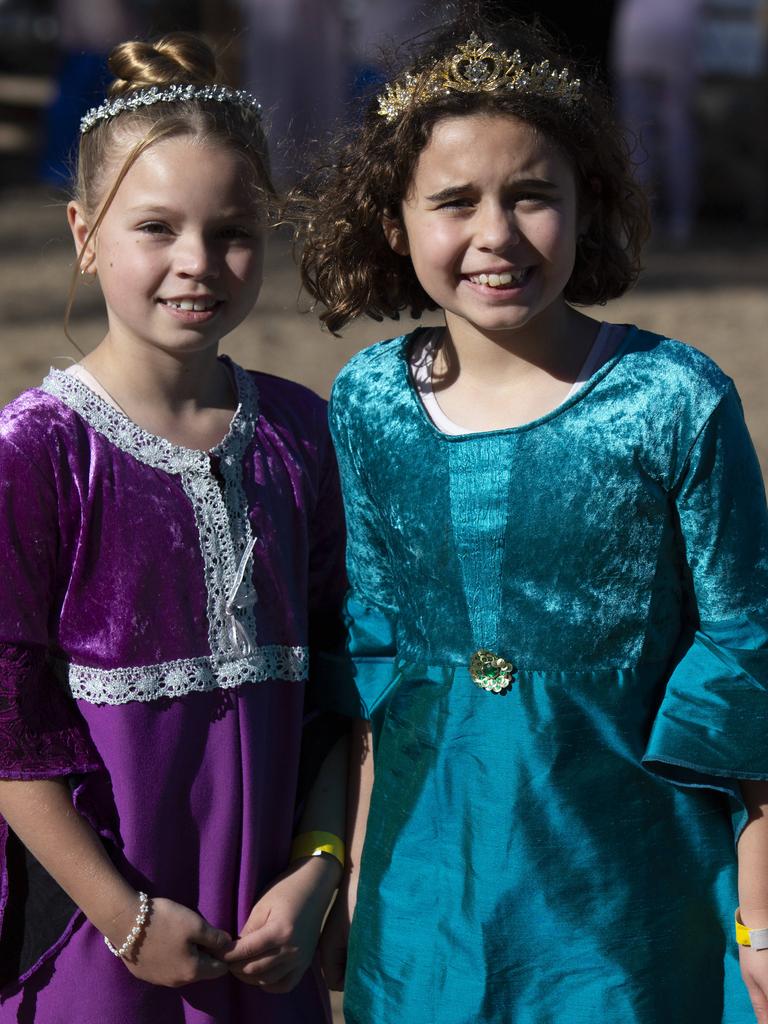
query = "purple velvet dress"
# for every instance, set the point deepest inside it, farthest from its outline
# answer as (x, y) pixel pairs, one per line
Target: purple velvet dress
(157, 610)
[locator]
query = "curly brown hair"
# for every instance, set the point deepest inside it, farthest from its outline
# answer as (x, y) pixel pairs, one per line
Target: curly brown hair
(347, 263)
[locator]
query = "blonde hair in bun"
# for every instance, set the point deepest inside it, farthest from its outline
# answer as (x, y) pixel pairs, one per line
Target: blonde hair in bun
(110, 148)
(179, 57)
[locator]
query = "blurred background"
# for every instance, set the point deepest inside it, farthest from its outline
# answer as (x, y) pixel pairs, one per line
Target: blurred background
(689, 78)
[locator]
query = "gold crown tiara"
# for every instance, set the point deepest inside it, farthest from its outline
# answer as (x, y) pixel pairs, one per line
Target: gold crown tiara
(476, 67)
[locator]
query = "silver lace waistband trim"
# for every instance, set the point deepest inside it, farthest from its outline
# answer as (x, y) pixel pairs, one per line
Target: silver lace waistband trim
(177, 678)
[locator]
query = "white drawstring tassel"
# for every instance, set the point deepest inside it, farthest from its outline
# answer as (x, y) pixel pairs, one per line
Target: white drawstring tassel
(242, 595)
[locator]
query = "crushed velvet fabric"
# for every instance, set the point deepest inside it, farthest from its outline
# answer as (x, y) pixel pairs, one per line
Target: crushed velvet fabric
(38, 739)
(563, 851)
(119, 667)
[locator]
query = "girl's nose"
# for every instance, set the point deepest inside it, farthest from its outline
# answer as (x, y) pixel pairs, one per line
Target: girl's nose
(497, 229)
(195, 257)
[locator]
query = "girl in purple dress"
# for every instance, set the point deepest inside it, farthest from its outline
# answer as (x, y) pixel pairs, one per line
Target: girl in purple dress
(171, 549)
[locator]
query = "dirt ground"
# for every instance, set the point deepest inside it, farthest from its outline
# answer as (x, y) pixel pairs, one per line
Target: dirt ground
(713, 295)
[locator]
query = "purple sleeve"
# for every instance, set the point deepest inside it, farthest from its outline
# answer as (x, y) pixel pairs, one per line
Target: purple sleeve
(42, 734)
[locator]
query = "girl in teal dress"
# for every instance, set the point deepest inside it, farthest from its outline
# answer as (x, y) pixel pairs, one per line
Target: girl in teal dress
(558, 559)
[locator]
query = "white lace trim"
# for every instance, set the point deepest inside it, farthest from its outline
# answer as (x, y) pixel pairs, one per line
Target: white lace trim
(239, 534)
(154, 451)
(177, 678)
(222, 520)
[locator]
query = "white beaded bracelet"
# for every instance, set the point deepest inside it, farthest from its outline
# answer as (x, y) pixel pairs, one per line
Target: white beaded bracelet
(141, 920)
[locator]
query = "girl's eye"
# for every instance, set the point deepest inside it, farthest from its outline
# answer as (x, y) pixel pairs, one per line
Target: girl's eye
(456, 204)
(238, 232)
(532, 199)
(154, 227)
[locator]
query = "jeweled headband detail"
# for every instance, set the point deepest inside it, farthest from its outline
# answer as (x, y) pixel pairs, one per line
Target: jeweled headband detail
(477, 67)
(168, 94)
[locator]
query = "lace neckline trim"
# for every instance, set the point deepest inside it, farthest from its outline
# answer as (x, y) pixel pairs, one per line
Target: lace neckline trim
(151, 449)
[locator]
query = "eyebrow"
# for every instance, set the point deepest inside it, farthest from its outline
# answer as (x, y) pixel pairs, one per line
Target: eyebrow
(226, 214)
(150, 208)
(449, 193)
(540, 183)
(454, 191)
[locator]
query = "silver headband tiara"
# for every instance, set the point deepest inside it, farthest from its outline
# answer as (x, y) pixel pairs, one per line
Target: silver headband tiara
(168, 94)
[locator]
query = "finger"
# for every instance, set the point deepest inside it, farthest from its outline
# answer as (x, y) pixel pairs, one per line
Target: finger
(256, 920)
(216, 941)
(255, 979)
(208, 967)
(278, 983)
(249, 979)
(262, 943)
(287, 983)
(244, 951)
(267, 968)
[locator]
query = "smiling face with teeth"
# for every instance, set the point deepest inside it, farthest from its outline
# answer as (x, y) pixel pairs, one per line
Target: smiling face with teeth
(179, 252)
(490, 224)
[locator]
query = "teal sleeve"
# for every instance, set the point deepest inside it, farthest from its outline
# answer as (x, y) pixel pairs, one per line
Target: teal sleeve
(712, 726)
(371, 605)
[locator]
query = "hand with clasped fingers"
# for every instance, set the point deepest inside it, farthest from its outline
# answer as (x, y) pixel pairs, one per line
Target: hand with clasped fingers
(754, 971)
(279, 939)
(176, 947)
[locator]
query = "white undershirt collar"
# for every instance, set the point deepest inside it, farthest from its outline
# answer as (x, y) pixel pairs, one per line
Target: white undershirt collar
(423, 356)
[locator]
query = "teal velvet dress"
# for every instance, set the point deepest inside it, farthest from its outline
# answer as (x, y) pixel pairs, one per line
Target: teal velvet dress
(561, 851)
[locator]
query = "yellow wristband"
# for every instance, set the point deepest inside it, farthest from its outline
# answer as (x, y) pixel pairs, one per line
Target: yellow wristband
(313, 844)
(757, 938)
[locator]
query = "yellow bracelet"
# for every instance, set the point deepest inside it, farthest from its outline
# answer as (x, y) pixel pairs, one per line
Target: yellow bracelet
(757, 938)
(314, 844)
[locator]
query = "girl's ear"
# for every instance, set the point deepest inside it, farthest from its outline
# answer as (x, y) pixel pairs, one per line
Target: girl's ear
(79, 229)
(394, 232)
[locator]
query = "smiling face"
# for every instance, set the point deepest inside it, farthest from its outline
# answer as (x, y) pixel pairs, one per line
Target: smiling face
(490, 224)
(179, 253)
